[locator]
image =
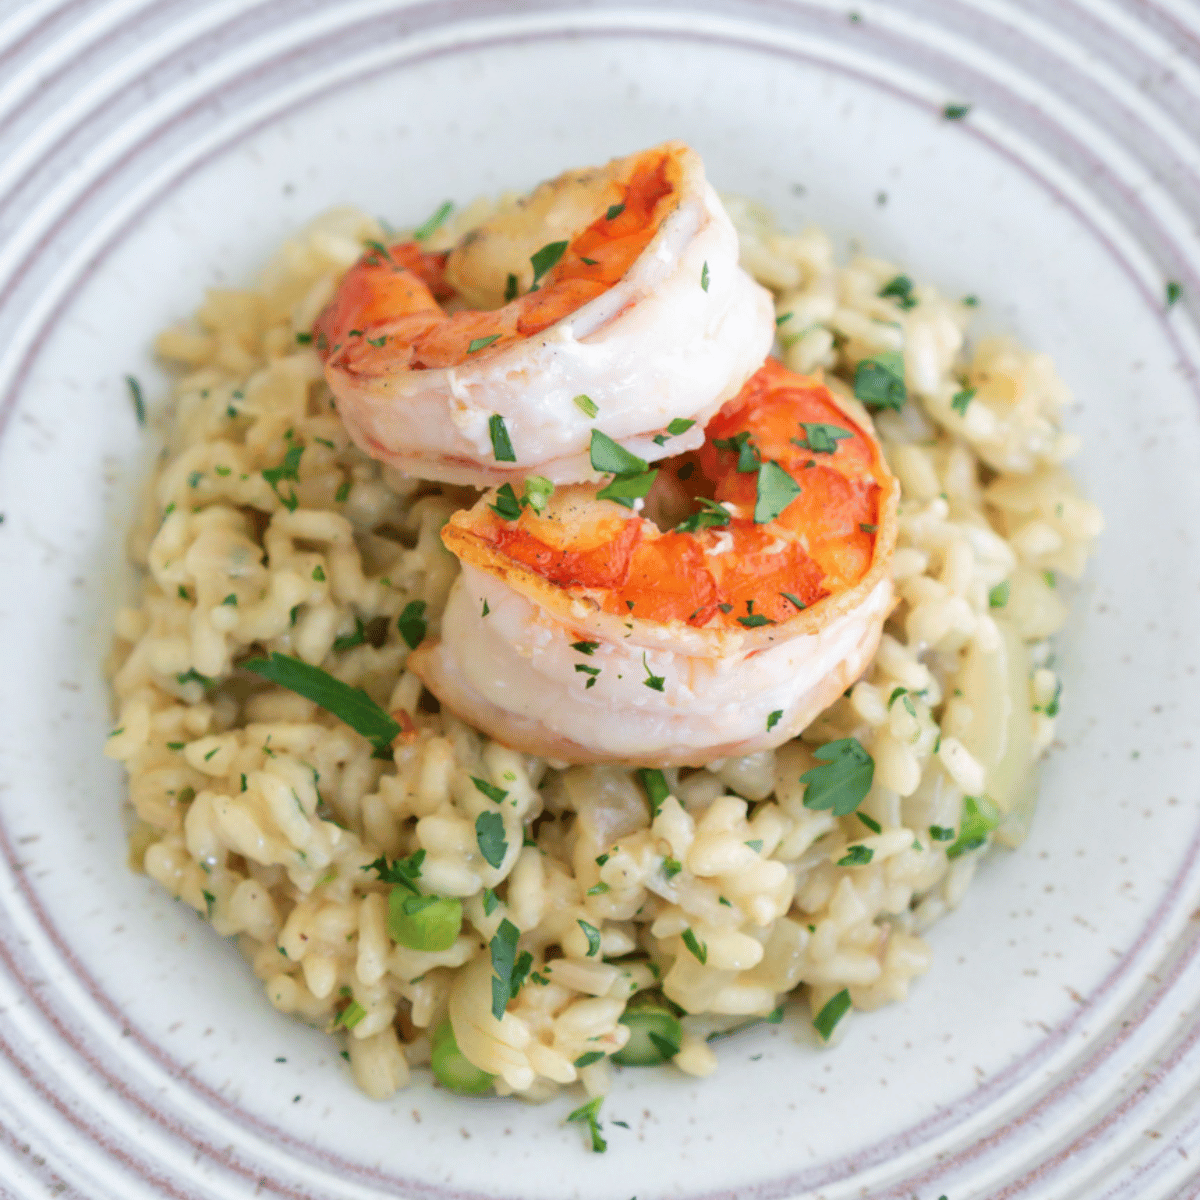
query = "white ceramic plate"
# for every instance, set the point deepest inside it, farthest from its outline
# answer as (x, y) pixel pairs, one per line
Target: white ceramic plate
(152, 148)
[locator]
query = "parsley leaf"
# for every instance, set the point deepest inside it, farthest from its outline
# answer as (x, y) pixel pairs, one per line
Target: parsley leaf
(939, 833)
(288, 469)
(586, 1060)
(1174, 293)
(585, 647)
(586, 405)
(879, 381)
(350, 705)
(584, 669)
(507, 506)
(538, 490)
(490, 902)
(652, 681)
(135, 394)
(843, 781)
(856, 856)
(773, 719)
(776, 490)
(612, 458)
(411, 623)
(870, 822)
(494, 794)
(671, 867)
(755, 620)
(346, 641)
(955, 112)
(747, 452)
(510, 288)
(502, 449)
(679, 425)
(426, 230)
(979, 817)
(704, 277)
(821, 438)
(657, 788)
(900, 289)
(998, 596)
(481, 343)
(625, 489)
(834, 1010)
(545, 260)
(711, 515)
(403, 872)
(503, 949)
(593, 938)
(800, 605)
(961, 400)
(489, 833)
(589, 1111)
(699, 949)
(614, 211)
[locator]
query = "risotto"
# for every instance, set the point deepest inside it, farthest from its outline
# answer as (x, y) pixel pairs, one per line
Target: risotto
(519, 924)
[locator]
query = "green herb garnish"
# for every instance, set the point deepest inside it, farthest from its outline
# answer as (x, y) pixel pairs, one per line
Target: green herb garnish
(821, 438)
(426, 230)
(998, 596)
(350, 705)
(961, 400)
(625, 489)
(711, 515)
(832, 1012)
(955, 112)
(979, 817)
(773, 719)
(411, 623)
(593, 938)
(588, 1112)
(843, 780)
(776, 490)
(856, 856)
(288, 469)
(545, 260)
(704, 277)
(135, 394)
(900, 289)
(698, 948)
(482, 343)
(489, 833)
(612, 458)
(586, 405)
(657, 788)
(879, 381)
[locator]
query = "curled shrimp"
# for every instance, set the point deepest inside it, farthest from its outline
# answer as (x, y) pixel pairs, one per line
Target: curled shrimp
(609, 299)
(583, 631)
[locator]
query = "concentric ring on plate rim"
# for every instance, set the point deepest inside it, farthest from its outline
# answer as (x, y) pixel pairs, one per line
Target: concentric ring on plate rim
(78, 207)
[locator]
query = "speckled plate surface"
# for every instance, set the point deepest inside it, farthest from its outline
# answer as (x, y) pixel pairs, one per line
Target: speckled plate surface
(152, 148)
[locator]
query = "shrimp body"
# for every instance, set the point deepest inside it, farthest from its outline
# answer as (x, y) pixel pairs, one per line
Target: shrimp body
(585, 632)
(626, 311)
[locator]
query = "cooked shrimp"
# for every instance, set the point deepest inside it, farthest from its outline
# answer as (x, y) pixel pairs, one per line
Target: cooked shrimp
(584, 631)
(621, 308)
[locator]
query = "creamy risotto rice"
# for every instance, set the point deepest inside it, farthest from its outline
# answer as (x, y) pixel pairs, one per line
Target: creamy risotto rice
(264, 529)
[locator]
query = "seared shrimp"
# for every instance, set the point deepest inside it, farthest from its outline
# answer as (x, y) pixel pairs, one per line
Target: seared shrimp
(582, 631)
(608, 299)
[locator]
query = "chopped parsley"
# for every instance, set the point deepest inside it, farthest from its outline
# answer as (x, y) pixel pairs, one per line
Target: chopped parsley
(507, 506)
(711, 515)
(545, 260)
(698, 948)
(350, 1016)
(588, 1112)
(794, 600)
(704, 277)
(961, 400)
(586, 1060)
(1174, 293)
(482, 343)
(494, 794)
(842, 781)
(585, 647)
(998, 596)
(741, 445)
(775, 491)
(591, 672)
(939, 833)
(593, 938)
(598, 889)
(611, 457)
(349, 640)
(979, 817)
(411, 623)
(900, 290)
(1051, 709)
(538, 490)
(625, 489)
(657, 788)
(509, 970)
(833, 1011)
(614, 211)
(427, 229)
(343, 492)
(402, 872)
(652, 681)
(489, 833)
(318, 574)
(955, 112)
(510, 288)
(773, 719)
(288, 469)
(879, 381)
(490, 902)
(586, 405)
(870, 822)
(856, 856)
(821, 438)
(135, 394)
(671, 867)
(350, 705)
